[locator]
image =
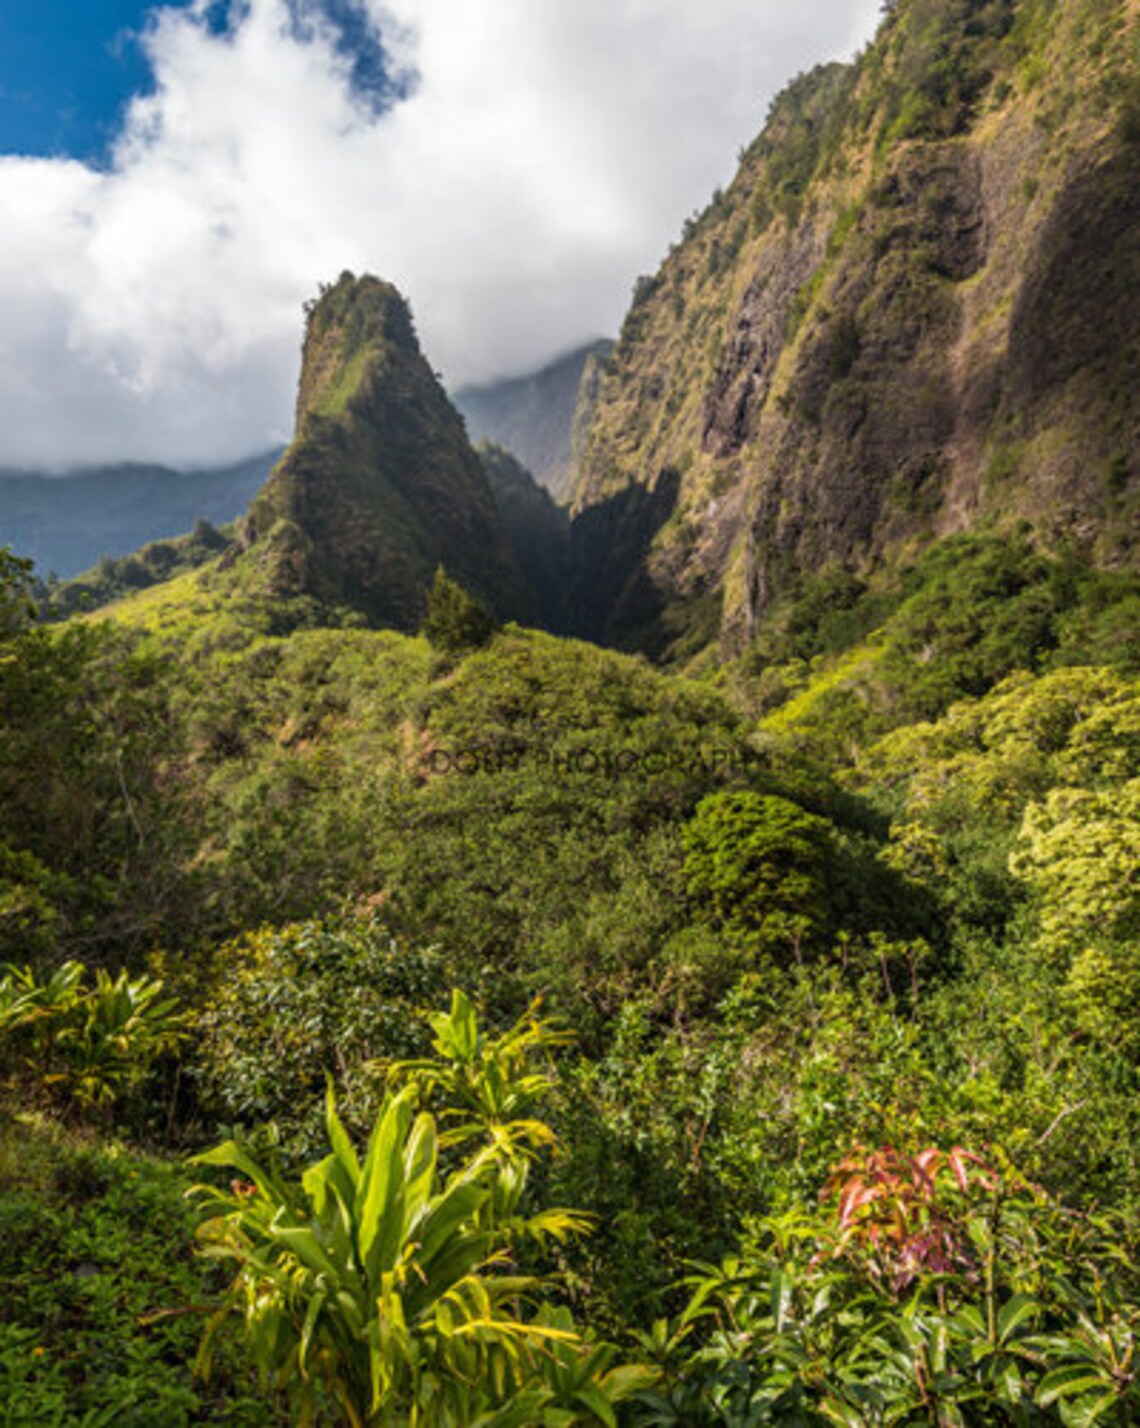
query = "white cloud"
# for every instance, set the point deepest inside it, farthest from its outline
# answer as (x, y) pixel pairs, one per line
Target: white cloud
(548, 153)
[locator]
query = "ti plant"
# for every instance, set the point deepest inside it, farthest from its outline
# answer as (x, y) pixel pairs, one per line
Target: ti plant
(380, 1290)
(84, 1043)
(489, 1085)
(488, 1089)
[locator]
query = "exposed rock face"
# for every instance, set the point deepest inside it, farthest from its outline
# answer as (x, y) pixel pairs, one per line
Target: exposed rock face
(380, 485)
(741, 383)
(916, 308)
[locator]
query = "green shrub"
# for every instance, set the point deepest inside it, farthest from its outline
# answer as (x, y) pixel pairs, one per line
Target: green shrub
(455, 621)
(380, 1289)
(103, 1300)
(83, 1044)
(930, 1289)
(297, 1005)
(756, 863)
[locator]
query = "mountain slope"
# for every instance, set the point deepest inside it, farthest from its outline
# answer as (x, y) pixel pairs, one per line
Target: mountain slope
(915, 311)
(538, 418)
(536, 529)
(65, 523)
(380, 485)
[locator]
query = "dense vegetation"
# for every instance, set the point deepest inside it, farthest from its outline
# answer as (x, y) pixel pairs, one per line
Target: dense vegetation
(113, 577)
(476, 1027)
(856, 915)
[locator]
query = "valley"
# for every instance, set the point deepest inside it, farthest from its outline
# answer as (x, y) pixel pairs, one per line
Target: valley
(653, 940)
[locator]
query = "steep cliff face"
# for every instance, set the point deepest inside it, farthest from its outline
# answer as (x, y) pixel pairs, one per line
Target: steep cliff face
(916, 309)
(380, 485)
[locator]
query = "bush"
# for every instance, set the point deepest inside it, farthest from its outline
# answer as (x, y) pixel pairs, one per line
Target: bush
(380, 1289)
(756, 863)
(932, 1288)
(80, 1044)
(103, 1301)
(299, 1005)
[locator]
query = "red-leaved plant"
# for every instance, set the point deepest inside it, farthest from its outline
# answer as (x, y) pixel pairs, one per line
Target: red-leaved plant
(899, 1214)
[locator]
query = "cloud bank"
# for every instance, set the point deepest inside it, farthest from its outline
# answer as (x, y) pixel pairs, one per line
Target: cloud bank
(534, 157)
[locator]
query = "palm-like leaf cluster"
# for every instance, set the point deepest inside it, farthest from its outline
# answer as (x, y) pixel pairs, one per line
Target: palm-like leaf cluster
(381, 1288)
(84, 1042)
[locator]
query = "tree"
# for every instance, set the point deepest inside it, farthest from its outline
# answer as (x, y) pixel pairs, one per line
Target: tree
(756, 862)
(15, 593)
(455, 621)
(1079, 850)
(300, 1003)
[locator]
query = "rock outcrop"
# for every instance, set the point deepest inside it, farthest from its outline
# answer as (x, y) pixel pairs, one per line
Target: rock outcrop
(380, 485)
(915, 310)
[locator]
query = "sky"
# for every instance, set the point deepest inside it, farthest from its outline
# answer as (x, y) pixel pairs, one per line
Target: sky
(176, 180)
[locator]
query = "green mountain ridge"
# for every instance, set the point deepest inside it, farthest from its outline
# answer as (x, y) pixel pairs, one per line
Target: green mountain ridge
(542, 417)
(913, 315)
(378, 490)
(66, 523)
(914, 312)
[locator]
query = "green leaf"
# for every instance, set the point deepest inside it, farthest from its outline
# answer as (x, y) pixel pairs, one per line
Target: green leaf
(457, 1033)
(627, 1379)
(381, 1184)
(338, 1137)
(1086, 1413)
(302, 1242)
(593, 1398)
(231, 1155)
(1068, 1381)
(308, 1327)
(1014, 1313)
(455, 1207)
(420, 1158)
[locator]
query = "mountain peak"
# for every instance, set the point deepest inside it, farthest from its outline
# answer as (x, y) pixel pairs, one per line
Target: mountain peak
(380, 485)
(354, 322)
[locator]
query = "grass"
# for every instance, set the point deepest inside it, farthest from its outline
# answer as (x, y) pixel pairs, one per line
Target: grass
(162, 609)
(340, 392)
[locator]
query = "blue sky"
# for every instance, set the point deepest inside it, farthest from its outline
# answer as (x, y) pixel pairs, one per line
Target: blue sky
(176, 180)
(67, 68)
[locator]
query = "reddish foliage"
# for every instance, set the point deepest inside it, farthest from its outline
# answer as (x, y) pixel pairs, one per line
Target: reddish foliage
(893, 1210)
